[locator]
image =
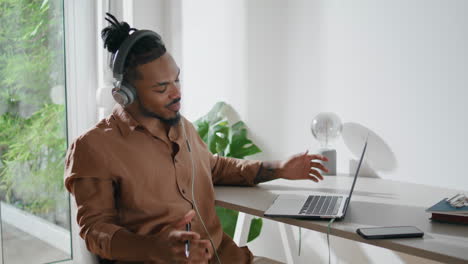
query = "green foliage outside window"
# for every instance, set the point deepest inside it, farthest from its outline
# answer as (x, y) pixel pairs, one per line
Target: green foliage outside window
(31, 48)
(32, 173)
(228, 141)
(32, 127)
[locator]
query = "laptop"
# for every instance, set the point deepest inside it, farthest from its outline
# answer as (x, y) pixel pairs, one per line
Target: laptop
(314, 206)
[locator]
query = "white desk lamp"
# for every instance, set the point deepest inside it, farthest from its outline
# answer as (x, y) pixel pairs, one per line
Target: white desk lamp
(326, 128)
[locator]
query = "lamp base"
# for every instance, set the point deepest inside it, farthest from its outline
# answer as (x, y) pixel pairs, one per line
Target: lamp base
(331, 163)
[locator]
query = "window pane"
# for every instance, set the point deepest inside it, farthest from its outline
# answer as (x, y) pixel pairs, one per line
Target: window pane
(35, 213)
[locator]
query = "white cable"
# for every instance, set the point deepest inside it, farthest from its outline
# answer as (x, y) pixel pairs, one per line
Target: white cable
(193, 193)
(300, 242)
(328, 238)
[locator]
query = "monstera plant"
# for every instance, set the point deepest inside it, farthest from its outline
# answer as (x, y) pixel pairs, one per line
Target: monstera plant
(228, 141)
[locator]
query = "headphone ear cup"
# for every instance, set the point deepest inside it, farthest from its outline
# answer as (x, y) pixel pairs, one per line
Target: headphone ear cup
(125, 94)
(130, 91)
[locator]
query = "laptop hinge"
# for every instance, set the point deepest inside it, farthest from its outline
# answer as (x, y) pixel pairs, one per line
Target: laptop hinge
(346, 205)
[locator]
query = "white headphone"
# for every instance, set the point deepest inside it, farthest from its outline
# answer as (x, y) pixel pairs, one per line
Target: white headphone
(123, 92)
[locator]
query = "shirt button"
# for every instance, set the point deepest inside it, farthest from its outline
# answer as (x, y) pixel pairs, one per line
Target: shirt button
(183, 191)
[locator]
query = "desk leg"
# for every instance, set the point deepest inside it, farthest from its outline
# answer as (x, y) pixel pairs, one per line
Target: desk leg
(241, 233)
(289, 243)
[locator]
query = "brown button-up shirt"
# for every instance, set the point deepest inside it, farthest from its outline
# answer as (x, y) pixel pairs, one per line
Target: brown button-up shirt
(125, 177)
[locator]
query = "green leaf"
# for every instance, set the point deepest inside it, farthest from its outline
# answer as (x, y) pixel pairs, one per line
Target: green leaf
(228, 220)
(202, 127)
(241, 146)
(218, 137)
(34, 32)
(215, 114)
(255, 228)
(44, 3)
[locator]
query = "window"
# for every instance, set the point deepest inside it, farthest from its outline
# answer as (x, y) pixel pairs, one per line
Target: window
(35, 212)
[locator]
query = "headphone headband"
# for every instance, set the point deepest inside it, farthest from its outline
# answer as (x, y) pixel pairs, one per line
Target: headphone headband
(121, 54)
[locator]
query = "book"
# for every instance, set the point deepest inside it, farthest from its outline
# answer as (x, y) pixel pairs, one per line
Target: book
(454, 219)
(444, 207)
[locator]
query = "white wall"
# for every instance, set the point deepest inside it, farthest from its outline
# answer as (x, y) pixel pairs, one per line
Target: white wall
(396, 68)
(399, 68)
(214, 56)
(164, 17)
(283, 73)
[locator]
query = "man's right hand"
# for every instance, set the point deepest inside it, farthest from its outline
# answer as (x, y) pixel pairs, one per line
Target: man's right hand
(171, 243)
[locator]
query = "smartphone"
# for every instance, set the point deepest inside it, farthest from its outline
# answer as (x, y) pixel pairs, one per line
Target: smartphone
(389, 232)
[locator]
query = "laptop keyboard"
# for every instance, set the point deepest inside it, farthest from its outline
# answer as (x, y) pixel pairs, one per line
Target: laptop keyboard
(321, 205)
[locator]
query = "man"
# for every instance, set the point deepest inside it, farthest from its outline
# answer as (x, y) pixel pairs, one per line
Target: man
(132, 173)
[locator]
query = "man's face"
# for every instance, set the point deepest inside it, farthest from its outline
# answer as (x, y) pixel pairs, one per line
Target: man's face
(159, 89)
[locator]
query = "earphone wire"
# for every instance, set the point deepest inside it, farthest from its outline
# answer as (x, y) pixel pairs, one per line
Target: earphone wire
(328, 238)
(193, 193)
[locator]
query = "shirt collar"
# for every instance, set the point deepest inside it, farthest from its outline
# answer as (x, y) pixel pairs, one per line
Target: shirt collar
(127, 124)
(125, 121)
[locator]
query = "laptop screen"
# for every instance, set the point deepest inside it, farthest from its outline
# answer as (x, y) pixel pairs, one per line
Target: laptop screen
(357, 171)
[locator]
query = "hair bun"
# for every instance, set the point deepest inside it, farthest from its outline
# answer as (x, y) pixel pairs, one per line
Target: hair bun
(115, 34)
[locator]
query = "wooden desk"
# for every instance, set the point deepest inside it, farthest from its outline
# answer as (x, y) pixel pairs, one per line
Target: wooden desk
(375, 202)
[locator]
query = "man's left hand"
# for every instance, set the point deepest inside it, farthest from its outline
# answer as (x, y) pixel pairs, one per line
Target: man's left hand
(303, 166)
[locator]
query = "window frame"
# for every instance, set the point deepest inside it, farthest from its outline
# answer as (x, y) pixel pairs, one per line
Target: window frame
(81, 81)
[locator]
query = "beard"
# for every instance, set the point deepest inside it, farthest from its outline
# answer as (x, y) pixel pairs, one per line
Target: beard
(168, 121)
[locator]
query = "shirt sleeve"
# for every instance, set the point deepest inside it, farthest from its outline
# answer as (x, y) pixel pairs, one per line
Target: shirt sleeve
(87, 179)
(225, 170)
(231, 171)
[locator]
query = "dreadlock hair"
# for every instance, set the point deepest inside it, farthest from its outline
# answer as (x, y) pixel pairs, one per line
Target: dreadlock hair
(143, 51)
